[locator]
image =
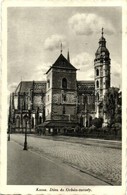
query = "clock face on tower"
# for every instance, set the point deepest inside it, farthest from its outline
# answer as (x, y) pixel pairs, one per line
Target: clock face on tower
(103, 53)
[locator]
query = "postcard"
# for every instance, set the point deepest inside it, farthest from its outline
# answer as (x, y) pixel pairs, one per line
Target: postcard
(63, 103)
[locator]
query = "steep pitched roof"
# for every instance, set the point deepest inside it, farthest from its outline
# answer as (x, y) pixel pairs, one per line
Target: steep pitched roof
(86, 87)
(62, 63)
(26, 86)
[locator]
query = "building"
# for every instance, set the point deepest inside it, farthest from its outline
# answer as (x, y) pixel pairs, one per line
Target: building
(101, 77)
(61, 101)
(27, 100)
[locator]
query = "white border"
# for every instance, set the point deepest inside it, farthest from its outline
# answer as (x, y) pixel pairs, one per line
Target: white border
(99, 190)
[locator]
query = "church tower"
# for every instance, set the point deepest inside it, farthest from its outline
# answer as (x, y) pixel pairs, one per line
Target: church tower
(101, 75)
(61, 93)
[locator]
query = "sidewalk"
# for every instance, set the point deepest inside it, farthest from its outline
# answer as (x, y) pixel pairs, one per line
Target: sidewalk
(84, 141)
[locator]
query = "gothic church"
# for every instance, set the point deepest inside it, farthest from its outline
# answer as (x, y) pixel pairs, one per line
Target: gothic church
(61, 101)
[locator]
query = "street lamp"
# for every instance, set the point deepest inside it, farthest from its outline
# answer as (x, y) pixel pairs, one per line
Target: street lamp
(25, 142)
(9, 134)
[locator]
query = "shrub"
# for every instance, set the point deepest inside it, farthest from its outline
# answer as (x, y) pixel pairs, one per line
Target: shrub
(105, 130)
(97, 122)
(77, 129)
(92, 129)
(83, 129)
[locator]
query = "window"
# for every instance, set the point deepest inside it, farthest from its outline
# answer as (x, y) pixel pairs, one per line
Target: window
(48, 83)
(64, 83)
(97, 84)
(97, 97)
(97, 72)
(64, 109)
(40, 119)
(17, 121)
(48, 97)
(32, 122)
(64, 97)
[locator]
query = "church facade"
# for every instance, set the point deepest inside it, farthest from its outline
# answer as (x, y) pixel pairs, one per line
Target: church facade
(61, 101)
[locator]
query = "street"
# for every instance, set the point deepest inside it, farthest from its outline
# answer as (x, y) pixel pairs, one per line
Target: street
(30, 168)
(52, 162)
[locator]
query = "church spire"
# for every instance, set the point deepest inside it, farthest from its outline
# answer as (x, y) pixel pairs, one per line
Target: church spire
(102, 31)
(68, 56)
(61, 49)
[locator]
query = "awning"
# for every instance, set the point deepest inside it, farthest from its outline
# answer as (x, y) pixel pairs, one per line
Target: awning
(58, 124)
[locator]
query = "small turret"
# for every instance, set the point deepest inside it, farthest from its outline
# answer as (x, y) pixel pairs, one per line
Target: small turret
(68, 56)
(102, 51)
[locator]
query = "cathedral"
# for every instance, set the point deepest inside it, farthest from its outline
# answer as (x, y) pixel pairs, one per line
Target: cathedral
(61, 101)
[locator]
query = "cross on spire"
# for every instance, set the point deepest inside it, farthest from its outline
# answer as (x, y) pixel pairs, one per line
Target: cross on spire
(102, 31)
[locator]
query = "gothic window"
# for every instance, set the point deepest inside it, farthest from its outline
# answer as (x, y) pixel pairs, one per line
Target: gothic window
(17, 121)
(97, 72)
(81, 121)
(97, 97)
(64, 83)
(48, 83)
(64, 109)
(97, 84)
(32, 122)
(40, 119)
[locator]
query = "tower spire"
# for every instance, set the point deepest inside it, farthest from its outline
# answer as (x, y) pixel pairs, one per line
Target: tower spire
(68, 56)
(61, 50)
(102, 31)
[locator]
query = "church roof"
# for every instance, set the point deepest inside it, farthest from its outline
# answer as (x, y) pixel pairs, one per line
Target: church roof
(26, 86)
(62, 63)
(86, 87)
(102, 46)
(102, 49)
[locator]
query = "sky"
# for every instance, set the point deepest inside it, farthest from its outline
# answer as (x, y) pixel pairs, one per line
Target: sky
(35, 34)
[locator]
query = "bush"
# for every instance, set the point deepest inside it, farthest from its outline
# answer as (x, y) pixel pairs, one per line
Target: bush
(118, 118)
(92, 129)
(97, 122)
(83, 130)
(77, 129)
(116, 128)
(63, 130)
(105, 129)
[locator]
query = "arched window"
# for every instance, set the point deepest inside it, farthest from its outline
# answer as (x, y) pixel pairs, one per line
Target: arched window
(40, 119)
(97, 84)
(97, 97)
(48, 83)
(64, 109)
(64, 83)
(17, 121)
(32, 122)
(97, 72)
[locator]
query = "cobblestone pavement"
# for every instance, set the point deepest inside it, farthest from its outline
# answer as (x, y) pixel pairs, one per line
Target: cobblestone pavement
(104, 163)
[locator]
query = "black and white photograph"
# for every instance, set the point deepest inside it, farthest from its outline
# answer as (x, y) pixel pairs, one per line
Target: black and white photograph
(64, 131)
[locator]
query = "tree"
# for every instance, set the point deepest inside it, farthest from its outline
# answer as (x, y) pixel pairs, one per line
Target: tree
(112, 105)
(97, 122)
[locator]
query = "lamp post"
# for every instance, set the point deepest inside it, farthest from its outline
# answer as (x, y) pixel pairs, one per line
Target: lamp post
(9, 134)
(25, 142)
